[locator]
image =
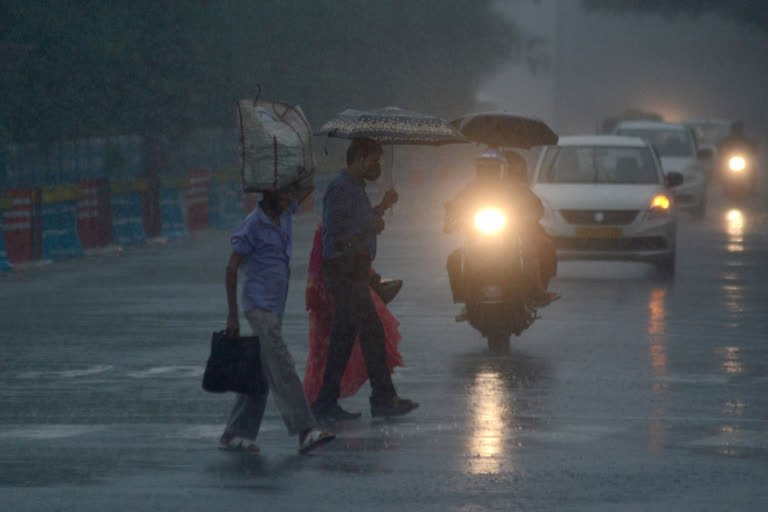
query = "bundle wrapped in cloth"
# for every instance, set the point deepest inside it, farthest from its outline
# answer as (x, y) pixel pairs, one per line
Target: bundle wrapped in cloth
(276, 145)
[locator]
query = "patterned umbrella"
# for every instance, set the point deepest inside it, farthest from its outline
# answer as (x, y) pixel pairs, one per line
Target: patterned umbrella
(392, 125)
(501, 129)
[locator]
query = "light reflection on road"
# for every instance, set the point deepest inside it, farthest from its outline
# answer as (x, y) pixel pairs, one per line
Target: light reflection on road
(733, 291)
(730, 359)
(486, 443)
(657, 352)
(735, 230)
(503, 394)
(729, 356)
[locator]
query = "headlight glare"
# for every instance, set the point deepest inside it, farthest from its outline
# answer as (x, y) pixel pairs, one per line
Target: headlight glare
(737, 163)
(660, 202)
(490, 221)
(661, 206)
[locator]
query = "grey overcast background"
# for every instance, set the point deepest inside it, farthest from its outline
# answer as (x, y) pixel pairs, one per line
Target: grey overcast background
(682, 67)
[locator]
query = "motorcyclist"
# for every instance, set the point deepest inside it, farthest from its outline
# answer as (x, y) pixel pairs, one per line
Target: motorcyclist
(737, 140)
(487, 185)
(540, 249)
(736, 143)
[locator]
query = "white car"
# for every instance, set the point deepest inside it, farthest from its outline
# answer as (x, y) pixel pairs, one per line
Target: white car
(677, 148)
(606, 198)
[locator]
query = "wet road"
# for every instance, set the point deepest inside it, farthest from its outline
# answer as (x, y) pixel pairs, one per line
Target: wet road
(631, 393)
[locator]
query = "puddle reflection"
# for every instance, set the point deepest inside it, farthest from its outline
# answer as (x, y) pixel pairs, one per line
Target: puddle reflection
(486, 443)
(500, 395)
(730, 359)
(735, 230)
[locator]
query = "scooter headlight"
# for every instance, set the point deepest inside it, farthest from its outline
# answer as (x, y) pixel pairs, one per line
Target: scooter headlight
(737, 163)
(490, 221)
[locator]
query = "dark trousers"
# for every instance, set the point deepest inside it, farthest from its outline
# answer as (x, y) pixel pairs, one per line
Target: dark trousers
(355, 315)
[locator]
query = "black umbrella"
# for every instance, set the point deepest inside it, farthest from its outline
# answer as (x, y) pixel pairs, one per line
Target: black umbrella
(501, 129)
(392, 125)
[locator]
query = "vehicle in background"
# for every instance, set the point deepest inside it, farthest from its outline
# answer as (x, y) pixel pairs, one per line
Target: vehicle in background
(607, 198)
(676, 146)
(738, 172)
(709, 132)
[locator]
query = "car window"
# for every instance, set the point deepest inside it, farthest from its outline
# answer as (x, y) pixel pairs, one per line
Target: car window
(593, 164)
(668, 142)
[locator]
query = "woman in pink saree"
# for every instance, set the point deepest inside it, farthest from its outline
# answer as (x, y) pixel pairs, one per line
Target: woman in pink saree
(320, 306)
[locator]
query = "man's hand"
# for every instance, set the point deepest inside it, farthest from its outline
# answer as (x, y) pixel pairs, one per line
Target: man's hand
(233, 325)
(379, 225)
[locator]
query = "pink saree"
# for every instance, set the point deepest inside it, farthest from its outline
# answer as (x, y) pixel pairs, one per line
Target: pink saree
(319, 303)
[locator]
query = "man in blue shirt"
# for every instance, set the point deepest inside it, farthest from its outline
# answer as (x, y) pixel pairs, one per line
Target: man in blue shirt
(350, 226)
(262, 246)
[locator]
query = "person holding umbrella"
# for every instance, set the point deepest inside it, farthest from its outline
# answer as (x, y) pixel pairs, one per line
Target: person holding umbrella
(350, 227)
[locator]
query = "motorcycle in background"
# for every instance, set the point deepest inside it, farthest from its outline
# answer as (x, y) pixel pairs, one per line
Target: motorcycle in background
(738, 174)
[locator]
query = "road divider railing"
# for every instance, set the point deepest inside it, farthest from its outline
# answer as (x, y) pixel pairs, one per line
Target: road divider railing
(173, 194)
(59, 222)
(225, 205)
(5, 265)
(94, 214)
(197, 199)
(127, 212)
(22, 226)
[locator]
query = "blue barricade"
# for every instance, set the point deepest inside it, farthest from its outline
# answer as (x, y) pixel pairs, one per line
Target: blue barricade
(172, 212)
(59, 221)
(127, 220)
(60, 238)
(5, 265)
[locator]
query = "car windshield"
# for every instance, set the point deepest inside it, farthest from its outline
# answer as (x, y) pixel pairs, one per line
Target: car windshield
(598, 164)
(668, 142)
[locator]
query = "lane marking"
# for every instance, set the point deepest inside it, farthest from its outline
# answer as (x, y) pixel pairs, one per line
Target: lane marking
(182, 371)
(50, 431)
(67, 374)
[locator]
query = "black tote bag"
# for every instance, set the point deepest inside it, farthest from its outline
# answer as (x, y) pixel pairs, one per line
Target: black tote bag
(234, 365)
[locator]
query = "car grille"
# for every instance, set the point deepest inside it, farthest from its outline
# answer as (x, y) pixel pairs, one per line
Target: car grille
(638, 243)
(609, 217)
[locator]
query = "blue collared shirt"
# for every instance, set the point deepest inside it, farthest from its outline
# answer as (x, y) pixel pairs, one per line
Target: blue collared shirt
(267, 250)
(348, 218)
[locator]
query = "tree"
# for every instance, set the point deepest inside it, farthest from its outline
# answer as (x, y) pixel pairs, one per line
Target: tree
(161, 68)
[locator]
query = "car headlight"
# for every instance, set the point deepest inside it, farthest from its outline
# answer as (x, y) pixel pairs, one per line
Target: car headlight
(737, 163)
(490, 221)
(661, 206)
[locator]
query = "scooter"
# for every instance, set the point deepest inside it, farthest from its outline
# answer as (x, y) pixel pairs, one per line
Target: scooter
(490, 276)
(738, 174)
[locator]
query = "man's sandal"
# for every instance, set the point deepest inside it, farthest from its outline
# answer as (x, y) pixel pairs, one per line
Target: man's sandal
(313, 439)
(238, 444)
